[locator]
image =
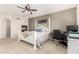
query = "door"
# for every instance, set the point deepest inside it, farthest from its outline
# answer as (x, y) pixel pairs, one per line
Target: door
(7, 28)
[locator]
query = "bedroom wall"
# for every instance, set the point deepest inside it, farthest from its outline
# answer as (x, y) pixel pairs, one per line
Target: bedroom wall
(78, 16)
(32, 21)
(31, 24)
(15, 24)
(59, 20)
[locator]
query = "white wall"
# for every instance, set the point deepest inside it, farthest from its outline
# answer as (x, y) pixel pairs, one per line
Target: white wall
(0, 27)
(77, 16)
(61, 19)
(15, 24)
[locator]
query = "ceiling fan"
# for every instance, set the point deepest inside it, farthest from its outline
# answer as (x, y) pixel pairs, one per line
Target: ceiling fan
(27, 8)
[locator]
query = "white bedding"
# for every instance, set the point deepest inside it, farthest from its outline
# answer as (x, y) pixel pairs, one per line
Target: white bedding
(34, 37)
(37, 40)
(41, 37)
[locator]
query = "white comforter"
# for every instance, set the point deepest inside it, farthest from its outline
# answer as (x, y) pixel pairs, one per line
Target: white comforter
(32, 36)
(41, 37)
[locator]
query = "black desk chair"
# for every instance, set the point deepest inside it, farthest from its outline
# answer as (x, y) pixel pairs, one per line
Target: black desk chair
(58, 36)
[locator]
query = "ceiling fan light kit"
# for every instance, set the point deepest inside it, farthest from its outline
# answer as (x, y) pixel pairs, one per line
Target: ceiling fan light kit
(27, 9)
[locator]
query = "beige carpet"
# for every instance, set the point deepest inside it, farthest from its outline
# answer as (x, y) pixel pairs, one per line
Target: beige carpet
(13, 46)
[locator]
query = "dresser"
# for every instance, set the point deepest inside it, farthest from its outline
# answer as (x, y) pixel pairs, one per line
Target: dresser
(73, 43)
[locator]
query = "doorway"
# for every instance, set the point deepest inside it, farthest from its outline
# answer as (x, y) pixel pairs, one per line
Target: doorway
(8, 30)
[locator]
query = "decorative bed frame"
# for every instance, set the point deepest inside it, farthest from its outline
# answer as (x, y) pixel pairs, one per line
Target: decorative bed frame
(45, 26)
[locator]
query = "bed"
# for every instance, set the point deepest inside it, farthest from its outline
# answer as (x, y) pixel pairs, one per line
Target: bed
(37, 38)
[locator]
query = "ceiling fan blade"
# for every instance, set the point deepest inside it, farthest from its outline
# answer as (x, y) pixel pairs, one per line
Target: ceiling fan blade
(23, 11)
(20, 7)
(33, 9)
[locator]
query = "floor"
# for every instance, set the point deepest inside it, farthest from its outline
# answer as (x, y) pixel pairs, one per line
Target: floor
(13, 46)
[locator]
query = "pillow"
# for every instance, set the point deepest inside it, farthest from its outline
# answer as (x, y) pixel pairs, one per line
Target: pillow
(39, 30)
(45, 30)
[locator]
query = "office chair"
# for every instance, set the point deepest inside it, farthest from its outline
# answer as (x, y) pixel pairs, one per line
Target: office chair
(58, 36)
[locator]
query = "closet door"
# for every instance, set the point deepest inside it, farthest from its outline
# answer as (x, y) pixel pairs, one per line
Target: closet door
(7, 28)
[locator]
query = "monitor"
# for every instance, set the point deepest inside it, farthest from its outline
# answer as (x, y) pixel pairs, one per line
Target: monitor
(73, 28)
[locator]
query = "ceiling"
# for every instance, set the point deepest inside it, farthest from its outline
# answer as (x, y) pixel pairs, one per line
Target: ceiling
(42, 9)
